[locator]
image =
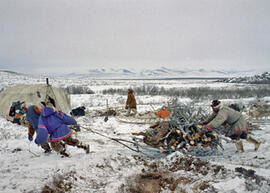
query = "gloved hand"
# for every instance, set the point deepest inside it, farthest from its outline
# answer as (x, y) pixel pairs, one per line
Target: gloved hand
(30, 137)
(203, 123)
(77, 128)
(201, 130)
(36, 142)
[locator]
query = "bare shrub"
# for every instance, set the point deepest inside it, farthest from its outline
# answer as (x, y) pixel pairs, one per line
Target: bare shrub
(77, 89)
(196, 93)
(60, 183)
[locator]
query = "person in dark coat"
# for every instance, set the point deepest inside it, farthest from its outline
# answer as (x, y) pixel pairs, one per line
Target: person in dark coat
(16, 113)
(10, 116)
(53, 127)
(238, 125)
(32, 117)
(131, 102)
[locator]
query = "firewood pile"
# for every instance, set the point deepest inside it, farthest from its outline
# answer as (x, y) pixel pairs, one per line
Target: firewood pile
(180, 133)
(183, 138)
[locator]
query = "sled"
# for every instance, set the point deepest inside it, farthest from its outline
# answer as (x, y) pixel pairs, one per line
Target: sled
(140, 118)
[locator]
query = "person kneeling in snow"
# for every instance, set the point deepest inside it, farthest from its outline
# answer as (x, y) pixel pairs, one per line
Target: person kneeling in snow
(53, 126)
(32, 116)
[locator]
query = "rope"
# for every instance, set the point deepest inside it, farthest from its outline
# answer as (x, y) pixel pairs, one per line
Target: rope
(120, 141)
(31, 151)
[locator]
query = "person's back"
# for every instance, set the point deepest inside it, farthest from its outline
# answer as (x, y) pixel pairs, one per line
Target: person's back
(231, 115)
(32, 116)
(235, 119)
(131, 102)
(56, 122)
(53, 126)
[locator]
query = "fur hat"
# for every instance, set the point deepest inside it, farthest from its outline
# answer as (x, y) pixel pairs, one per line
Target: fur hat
(42, 105)
(215, 103)
(49, 104)
(23, 104)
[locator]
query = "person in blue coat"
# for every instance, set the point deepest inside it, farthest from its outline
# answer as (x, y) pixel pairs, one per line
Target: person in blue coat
(32, 117)
(53, 127)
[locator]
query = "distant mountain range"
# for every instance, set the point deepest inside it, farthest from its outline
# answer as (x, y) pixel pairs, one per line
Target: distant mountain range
(163, 73)
(159, 73)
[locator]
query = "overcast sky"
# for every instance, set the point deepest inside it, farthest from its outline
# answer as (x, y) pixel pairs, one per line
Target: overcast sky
(65, 36)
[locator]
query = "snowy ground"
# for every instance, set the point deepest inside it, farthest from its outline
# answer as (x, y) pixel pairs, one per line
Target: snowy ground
(110, 167)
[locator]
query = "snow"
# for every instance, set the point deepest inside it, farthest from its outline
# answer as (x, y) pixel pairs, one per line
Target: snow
(110, 167)
(230, 185)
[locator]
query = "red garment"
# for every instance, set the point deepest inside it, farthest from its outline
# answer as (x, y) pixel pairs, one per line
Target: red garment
(164, 113)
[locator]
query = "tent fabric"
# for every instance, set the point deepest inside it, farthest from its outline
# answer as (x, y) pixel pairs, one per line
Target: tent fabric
(32, 95)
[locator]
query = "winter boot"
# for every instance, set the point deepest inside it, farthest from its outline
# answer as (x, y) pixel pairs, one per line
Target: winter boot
(46, 147)
(256, 143)
(64, 153)
(84, 146)
(239, 146)
(63, 145)
(87, 148)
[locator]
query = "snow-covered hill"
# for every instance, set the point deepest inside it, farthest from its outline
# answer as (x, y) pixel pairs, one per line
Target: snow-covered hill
(263, 78)
(10, 78)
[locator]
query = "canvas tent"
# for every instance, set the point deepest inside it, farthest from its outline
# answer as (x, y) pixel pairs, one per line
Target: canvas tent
(32, 95)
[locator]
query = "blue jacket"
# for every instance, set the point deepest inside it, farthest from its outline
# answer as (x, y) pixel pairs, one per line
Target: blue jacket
(32, 117)
(53, 124)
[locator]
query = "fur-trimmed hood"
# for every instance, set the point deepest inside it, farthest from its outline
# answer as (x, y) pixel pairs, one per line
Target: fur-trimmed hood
(47, 111)
(218, 106)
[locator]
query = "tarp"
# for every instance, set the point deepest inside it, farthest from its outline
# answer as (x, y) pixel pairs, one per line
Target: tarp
(32, 95)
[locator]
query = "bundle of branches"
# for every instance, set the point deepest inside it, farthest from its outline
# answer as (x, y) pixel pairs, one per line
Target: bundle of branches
(180, 132)
(186, 113)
